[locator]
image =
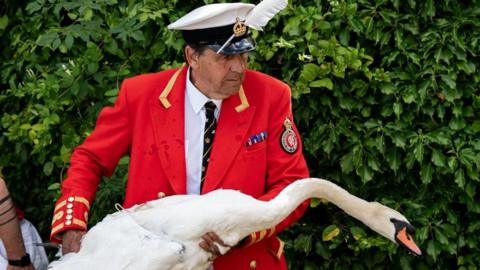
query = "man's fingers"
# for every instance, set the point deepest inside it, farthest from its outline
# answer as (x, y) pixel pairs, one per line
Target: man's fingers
(216, 238)
(204, 245)
(208, 243)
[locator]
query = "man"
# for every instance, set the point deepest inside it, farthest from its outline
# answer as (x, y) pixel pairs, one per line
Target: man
(18, 238)
(210, 124)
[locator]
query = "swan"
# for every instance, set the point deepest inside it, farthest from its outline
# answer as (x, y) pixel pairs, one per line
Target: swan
(166, 233)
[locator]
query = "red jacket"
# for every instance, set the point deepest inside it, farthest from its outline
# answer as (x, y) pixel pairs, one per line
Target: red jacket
(147, 122)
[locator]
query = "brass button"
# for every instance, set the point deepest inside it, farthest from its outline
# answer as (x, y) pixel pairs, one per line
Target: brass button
(70, 199)
(70, 205)
(68, 222)
(69, 211)
(161, 195)
(68, 217)
(253, 264)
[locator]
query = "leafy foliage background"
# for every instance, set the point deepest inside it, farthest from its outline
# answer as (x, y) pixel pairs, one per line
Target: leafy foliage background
(385, 93)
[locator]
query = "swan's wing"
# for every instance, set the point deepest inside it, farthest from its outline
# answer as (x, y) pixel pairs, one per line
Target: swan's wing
(120, 243)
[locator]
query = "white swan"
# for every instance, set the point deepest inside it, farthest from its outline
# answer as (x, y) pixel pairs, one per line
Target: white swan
(165, 233)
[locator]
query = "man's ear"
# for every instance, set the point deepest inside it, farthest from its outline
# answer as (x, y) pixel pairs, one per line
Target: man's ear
(191, 56)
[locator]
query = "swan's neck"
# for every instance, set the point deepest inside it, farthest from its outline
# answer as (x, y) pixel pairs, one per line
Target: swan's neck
(297, 192)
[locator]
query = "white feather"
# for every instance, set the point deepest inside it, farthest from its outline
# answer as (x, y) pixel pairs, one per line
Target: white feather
(259, 16)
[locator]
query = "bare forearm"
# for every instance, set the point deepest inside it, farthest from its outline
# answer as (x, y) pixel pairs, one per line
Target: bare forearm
(10, 232)
(12, 239)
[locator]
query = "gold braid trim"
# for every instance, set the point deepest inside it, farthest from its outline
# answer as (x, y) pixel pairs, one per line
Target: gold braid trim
(166, 91)
(243, 98)
(75, 199)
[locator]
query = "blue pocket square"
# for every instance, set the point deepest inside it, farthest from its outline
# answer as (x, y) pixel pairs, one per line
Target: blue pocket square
(260, 137)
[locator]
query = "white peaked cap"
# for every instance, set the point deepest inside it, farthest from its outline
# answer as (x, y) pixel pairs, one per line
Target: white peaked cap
(224, 27)
(213, 15)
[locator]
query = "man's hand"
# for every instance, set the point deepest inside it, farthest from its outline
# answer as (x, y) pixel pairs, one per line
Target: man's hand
(71, 241)
(208, 244)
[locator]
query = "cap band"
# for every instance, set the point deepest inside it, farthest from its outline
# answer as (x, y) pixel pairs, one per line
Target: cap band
(214, 35)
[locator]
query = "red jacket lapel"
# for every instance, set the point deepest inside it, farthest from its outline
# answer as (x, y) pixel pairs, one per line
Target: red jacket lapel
(231, 133)
(168, 125)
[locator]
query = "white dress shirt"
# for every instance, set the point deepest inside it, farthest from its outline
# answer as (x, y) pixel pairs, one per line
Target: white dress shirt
(194, 127)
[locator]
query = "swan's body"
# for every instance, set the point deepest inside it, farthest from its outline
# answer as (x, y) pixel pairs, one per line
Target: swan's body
(165, 234)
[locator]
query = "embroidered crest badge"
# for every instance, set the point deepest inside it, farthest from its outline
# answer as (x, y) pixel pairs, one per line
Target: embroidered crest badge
(239, 28)
(288, 140)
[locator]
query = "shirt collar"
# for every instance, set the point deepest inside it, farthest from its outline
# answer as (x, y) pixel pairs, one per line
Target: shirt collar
(197, 98)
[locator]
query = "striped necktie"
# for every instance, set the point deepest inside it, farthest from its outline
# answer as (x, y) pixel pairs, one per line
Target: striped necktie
(208, 136)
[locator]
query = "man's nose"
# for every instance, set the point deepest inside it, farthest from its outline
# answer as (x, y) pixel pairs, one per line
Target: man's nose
(238, 63)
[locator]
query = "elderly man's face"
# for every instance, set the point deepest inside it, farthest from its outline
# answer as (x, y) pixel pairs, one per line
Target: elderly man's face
(217, 76)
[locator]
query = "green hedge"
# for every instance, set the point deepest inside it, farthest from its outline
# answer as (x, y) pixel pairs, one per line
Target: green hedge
(385, 94)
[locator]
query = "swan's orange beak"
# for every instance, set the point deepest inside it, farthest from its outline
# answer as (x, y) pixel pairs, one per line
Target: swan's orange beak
(405, 239)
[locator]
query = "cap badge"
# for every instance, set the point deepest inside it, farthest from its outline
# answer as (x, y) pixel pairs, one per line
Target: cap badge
(239, 28)
(288, 140)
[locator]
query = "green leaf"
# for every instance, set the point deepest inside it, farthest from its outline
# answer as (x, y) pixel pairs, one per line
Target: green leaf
(440, 236)
(124, 160)
(438, 158)
(476, 126)
(111, 92)
(326, 83)
(48, 168)
(33, 7)
(473, 226)
(397, 109)
(418, 152)
(429, 9)
(449, 81)
(69, 41)
(452, 163)
(47, 39)
(321, 250)
(365, 173)
(323, 25)
(3, 22)
(438, 137)
(373, 163)
(88, 14)
(426, 173)
(468, 157)
(310, 72)
(303, 243)
(357, 233)
(460, 178)
(393, 158)
(314, 202)
(54, 186)
(399, 140)
(467, 67)
(457, 124)
(433, 249)
(387, 88)
(346, 163)
(92, 67)
(330, 232)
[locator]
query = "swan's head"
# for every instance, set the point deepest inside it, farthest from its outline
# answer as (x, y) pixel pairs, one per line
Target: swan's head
(393, 226)
(403, 235)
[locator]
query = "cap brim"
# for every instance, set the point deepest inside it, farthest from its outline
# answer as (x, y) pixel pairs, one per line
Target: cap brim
(241, 46)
